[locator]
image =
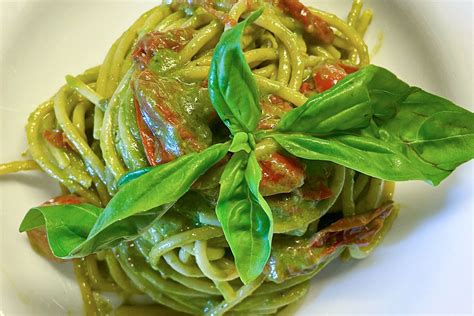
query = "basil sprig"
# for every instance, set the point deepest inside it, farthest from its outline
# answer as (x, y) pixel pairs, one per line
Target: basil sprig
(376, 124)
(244, 214)
(371, 122)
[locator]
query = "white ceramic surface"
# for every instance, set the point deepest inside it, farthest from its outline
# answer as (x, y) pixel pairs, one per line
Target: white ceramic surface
(425, 264)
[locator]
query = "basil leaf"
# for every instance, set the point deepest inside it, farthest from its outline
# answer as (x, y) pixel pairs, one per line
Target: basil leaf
(79, 230)
(436, 130)
(67, 225)
(232, 86)
(245, 216)
(163, 185)
(389, 160)
(370, 93)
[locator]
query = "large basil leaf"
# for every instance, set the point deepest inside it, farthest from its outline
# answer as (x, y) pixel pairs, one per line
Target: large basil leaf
(79, 230)
(436, 130)
(245, 216)
(371, 94)
(232, 86)
(393, 160)
(375, 123)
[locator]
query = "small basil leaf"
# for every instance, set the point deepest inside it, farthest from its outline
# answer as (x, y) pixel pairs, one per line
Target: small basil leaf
(68, 237)
(370, 93)
(67, 225)
(240, 142)
(245, 216)
(232, 86)
(79, 230)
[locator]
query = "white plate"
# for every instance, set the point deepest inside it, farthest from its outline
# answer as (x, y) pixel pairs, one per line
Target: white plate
(424, 265)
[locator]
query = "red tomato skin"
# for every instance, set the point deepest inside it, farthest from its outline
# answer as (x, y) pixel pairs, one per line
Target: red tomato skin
(325, 77)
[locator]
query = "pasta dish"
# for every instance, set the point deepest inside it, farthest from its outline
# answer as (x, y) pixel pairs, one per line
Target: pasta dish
(225, 152)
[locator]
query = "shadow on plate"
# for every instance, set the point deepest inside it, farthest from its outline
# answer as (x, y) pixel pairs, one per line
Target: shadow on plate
(421, 203)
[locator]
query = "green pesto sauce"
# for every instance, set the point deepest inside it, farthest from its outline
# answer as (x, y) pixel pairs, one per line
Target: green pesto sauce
(292, 214)
(190, 102)
(294, 256)
(182, 216)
